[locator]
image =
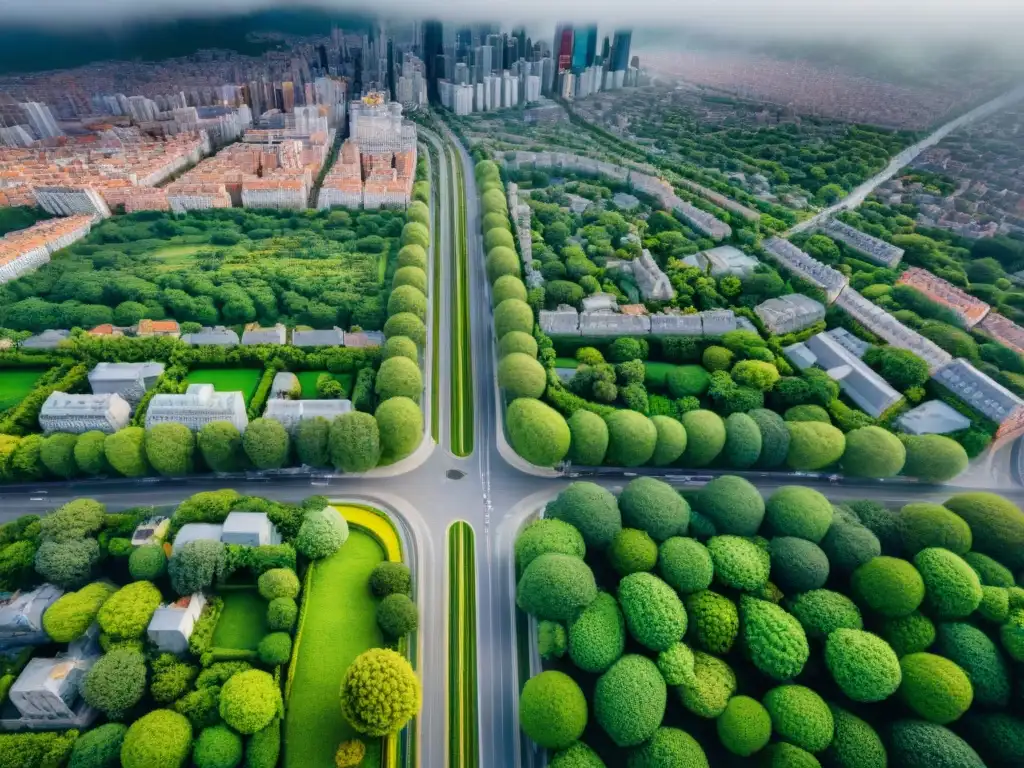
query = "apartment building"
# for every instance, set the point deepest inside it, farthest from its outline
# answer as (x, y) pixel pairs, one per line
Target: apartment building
(27, 249)
(970, 310)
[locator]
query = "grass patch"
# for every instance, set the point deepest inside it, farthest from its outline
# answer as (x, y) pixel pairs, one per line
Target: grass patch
(340, 623)
(463, 739)
(307, 380)
(462, 364)
(566, 362)
(244, 380)
(14, 385)
(656, 374)
(244, 621)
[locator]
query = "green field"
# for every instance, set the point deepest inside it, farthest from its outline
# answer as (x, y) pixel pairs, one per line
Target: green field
(244, 380)
(463, 737)
(174, 256)
(244, 621)
(14, 385)
(339, 623)
(566, 362)
(308, 381)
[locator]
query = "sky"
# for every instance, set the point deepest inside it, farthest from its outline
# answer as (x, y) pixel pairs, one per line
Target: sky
(904, 21)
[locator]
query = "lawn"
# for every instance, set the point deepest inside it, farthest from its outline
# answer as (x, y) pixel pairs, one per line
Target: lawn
(308, 381)
(242, 380)
(566, 362)
(244, 621)
(14, 385)
(339, 624)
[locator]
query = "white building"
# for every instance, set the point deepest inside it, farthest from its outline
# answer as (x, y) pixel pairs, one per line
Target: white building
(68, 201)
(199, 406)
(172, 625)
(129, 380)
(873, 248)
(290, 412)
(532, 88)
(933, 418)
(787, 314)
(377, 127)
(249, 529)
(15, 136)
(41, 120)
(803, 265)
(723, 260)
(83, 413)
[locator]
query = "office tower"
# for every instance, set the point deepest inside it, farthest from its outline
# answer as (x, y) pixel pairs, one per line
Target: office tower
(606, 51)
(287, 97)
(620, 51)
(322, 53)
(461, 74)
(635, 62)
(433, 52)
(547, 76)
(41, 120)
(563, 49)
(485, 61)
(584, 49)
(532, 88)
(511, 52)
(463, 41)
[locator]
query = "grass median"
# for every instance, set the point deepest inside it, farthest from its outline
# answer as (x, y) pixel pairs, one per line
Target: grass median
(462, 365)
(463, 733)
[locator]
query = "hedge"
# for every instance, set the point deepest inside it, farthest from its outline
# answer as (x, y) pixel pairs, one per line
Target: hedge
(537, 432)
(552, 710)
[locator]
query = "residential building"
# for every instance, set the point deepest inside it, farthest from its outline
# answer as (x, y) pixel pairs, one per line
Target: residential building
(129, 380)
(218, 336)
(362, 339)
(71, 201)
(199, 406)
(84, 413)
(167, 328)
(855, 346)
(46, 340)
(41, 120)
(253, 335)
(831, 281)
(27, 249)
(787, 314)
(979, 391)
(933, 417)
(723, 260)
(863, 386)
(107, 330)
(677, 324)
(334, 337)
(291, 412)
(608, 323)
(1005, 331)
(652, 282)
(970, 310)
(564, 320)
(872, 248)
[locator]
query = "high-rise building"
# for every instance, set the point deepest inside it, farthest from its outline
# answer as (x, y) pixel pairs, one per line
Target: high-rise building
(584, 48)
(620, 51)
(563, 49)
(606, 51)
(433, 53)
(287, 97)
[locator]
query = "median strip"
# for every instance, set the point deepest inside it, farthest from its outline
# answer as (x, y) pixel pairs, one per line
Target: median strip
(463, 735)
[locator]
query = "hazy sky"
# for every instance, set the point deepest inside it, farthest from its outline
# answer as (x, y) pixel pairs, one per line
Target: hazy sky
(900, 19)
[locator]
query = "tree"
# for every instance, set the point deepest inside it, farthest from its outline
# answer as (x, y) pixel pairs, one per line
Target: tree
(116, 682)
(537, 432)
(170, 448)
(196, 566)
(322, 533)
(126, 453)
(563, 292)
(89, 456)
(128, 313)
(411, 276)
(632, 438)
(407, 324)
(57, 454)
(26, 462)
(68, 619)
(412, 256)
(220, 444)
(415, 233)
(399, 377)
(900, 367)
(501, 261)
(512, 315)
(406, 298)
(873, 452)
(627, 348)
(934, 458)
(266, 444)
(160, 739)
(553, 710)
(814, 445)
(498, 236)
(311, 442)
(400, 346)
(507, 287)
(67, 564)
(755, 374)
(380, 693)
(250, 700)
(400, 423)
(520, 375)
(354, 442)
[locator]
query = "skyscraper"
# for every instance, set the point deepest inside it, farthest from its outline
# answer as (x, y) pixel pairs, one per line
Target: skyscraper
(563, 49)
(584, 48)
(620, 51)
(433, 50)
(606, 51)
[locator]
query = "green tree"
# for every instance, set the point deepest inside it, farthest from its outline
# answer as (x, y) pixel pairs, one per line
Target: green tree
(266, 444)
(170, 448)
(311, 442)
(126, 452)
(57, 454)
(355, 442)
(220, 444)
(400, 424)
(89, 454)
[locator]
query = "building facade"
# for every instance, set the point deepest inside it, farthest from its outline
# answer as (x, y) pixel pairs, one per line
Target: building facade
(199, 406)
(78, 414)
(291, 412)
(129, 380)
(787, 314)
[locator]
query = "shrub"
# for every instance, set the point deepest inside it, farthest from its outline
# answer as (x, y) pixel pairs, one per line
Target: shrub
(686, 380)
(512, 315)
(685, 564)
(88, 453)
(798, 565)
(126, 453)
(57, 453)
(517, 341)
(67, 619)
(631, 551)
(397, 616)
(322, 533)
(410, 276)
(669, 748)
(1012, 635)
(520, 375)
(671, 440)
(739, 563)
(813, 445)
(999, 737)
(556, 587)
(991, 572)
(742, 441)
(822, 611)
(99, 747)
(785, 755)
(170, 449)
(537, 432)
(400, 424)
(547, 535)
(249, 700)
(849, 545)
(576, 755)
(863, 665)
(406, 324)
(632, 438)
(73, 521)
(705, 438)
(265, 442)
(775, 641)
(407, 298)
(873, 452)
(918, 744)
(116, 682)
(654, 613)
(745, 726)
(882, 522)
(889, 586)
(399, 377)
(350, 754)
(217, 747)
(912, 633)
(934, 458)
(196, 566)
(795, 510)
(655, 507)
(171, 678)
(997, 525)
(507, 286)
(717, 358)
(67, 564)
(501, 262)
(127, 613)
(800, 716)
(934, 687)
(278, 582)
(552, 710)
(807, 413)
(589, 439)
(591, 509)
(995, 604)
(390, 579)
(855, 744)
(952, 588)
(159, 739)
(774, 438)
(597, 637)
(264, 747)
(400, 346)
(281, 614)
(355, 442)
(713, 620)
(713, 684)
(275, 648)
(926, 525)
(412, 255)
(220, 444)
(972, 650)
(629, 700)
(552, 641)
(676, 664)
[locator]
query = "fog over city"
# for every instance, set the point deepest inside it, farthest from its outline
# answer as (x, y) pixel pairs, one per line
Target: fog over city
(909, 20)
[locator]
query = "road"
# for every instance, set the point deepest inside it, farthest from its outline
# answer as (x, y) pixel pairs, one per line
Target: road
(483, 489)
(860, 194)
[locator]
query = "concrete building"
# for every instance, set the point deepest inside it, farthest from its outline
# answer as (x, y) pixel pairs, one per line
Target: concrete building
(199, 406)
(290, 412)
(677, 324)
(933, 418)
(1005, 331)
(129, 380)
(217, 336)
(863, 386)
(872, 248)
(254, 335)
(377, 126)
(46, 340)
(716, 322)
(334, 337)
(608, 323)
(979, 391)
(723, 260)
(249, 529)
(970, 310)
(172, 625)
(27, 249)
(887, 327)
(83, 413)
(70, 201)
(41, 119)
(851, 343)
(652, 282)
(633, 320)
(831, 281)
(787, 314)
